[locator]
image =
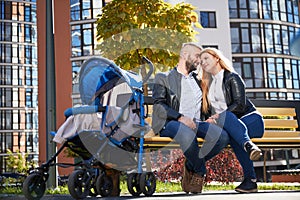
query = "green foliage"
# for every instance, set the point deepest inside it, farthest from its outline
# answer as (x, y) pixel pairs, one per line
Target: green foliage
(130, 29)
(10, 190)
(17, 162)
(58, 190)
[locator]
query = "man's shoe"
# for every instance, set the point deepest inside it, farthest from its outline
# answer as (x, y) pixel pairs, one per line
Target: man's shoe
(196, 183)
(253, 151)
(185, 182)
(247, 186)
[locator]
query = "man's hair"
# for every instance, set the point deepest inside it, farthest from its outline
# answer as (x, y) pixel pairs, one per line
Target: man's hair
(187, 47)
(195, 44)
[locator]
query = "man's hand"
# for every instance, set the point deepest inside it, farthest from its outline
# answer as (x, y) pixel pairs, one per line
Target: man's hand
(188, 122)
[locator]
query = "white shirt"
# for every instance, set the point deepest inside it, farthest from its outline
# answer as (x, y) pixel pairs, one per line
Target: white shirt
(191, 97)
(215, 93)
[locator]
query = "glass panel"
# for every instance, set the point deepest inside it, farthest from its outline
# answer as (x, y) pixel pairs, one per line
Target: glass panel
(204, 19)
(271, 74)
(212, 20)
(246, 48)
(269, 38)
(232, 4)
(237, 67)
(76, 41)
(253, 9)
(97, 6)
(282, 10)
(234, 35)
(75, 9)
(266, 9)
(243, 3)
(87, 37)
(86, 9)
(258, 72)
(232, 8)
(247, 70)
(255, 38)
(258, 83)
(275, 13)
(245, 36)
(235, 48)
(249, 83)
(243, 13)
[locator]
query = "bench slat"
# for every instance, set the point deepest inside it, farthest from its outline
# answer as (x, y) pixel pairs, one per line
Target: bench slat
(280, 123)
(166, 141)
(271, 133)
(265, 111)
(291, 140)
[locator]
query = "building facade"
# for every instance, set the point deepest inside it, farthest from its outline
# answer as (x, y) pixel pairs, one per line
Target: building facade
(255, 33)
(18, 79)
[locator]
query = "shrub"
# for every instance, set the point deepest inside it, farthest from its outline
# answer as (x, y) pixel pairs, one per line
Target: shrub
(223, 168)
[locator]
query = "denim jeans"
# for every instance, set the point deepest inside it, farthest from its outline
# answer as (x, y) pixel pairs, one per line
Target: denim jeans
(255, 128)
(215, 140)
(235, 128)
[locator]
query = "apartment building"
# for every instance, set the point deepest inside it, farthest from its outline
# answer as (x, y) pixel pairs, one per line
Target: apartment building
(254, 33)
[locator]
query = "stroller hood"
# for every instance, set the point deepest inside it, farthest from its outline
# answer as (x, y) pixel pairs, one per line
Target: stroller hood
(98, 75)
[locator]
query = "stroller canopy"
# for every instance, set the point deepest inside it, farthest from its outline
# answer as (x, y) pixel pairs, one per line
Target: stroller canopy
(99, 75)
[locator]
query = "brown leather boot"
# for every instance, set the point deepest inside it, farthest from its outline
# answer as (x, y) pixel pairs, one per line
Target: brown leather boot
(185, 182)
(196, 183)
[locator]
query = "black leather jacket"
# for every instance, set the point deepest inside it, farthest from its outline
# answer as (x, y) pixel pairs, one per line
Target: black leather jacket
(235, 95)
(166, 95)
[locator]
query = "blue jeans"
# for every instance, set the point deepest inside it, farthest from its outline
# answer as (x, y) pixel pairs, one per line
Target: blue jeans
(255, 128)
(215, 140)
(235, 128)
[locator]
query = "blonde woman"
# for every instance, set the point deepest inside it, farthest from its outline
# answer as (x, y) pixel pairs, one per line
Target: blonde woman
(225, 104)
(176, 114)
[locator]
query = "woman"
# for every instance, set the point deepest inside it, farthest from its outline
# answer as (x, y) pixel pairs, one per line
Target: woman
(225, 103)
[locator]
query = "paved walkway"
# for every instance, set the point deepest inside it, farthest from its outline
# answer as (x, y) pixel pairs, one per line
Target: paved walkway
(207, 195)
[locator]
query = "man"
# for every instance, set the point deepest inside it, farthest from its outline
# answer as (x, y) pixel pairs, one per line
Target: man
(177, 112)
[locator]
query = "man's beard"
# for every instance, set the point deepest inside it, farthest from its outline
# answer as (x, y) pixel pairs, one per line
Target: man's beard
(190, 65)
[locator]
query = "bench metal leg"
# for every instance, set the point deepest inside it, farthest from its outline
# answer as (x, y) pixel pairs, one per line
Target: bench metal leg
(265, 165)
(148, 160)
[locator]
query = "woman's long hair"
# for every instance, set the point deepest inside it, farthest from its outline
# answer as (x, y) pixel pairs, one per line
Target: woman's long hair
(225, 64)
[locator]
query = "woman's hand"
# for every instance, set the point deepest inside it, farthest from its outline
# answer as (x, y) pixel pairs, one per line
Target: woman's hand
(212, 119)
(187, 121)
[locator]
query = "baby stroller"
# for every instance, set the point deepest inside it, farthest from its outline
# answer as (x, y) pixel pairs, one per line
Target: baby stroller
(107, 132)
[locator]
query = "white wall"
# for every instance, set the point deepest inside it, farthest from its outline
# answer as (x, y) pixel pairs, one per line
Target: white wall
(219, 36)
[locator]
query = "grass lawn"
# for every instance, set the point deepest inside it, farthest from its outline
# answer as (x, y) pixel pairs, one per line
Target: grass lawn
(168, 187)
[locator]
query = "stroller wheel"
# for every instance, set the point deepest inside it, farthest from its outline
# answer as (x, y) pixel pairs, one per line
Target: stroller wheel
(104, 185)
(148, 183)
(133, 185)
(93, 190)
(34, 186)
(79, 184)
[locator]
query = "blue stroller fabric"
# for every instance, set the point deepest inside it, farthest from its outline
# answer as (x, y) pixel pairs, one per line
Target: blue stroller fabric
(99, 75)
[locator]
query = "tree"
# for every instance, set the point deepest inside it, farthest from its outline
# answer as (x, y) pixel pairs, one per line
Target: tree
(130, 29)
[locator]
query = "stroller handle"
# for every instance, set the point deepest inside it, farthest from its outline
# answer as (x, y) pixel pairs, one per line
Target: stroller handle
(150, 70)
(83, 110)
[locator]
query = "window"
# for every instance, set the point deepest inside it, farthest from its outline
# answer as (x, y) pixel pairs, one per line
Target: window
(281, 10)
(251, 70)
(243, 8)
(210, 46)
(208, 19)
(85, 9)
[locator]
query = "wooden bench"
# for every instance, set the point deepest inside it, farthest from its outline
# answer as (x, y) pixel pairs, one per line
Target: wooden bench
(281, 129)
(281, 119)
